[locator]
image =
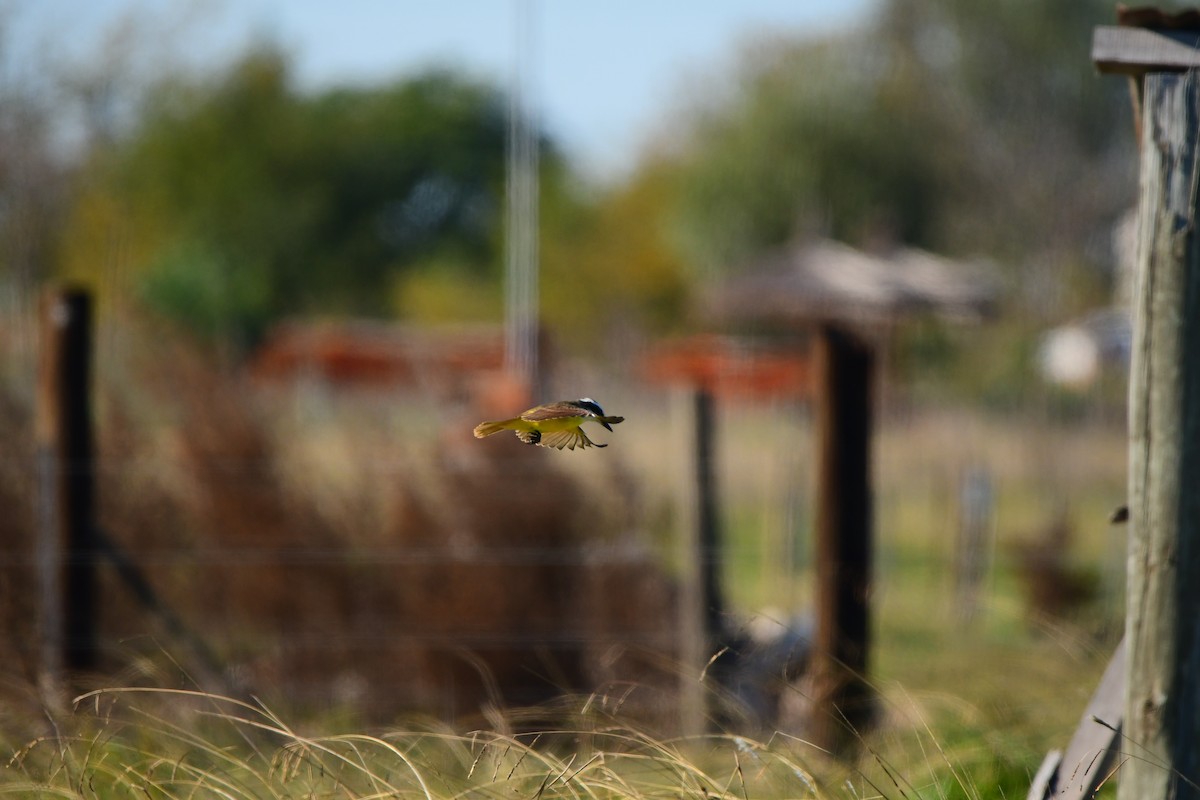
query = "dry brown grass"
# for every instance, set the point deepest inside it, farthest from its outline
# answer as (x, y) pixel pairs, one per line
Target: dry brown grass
(339, 558)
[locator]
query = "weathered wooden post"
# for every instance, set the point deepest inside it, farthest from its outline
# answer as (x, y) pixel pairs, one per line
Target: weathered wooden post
(1162, 697)
(1161, 730)
(66, 542)
(844, 365)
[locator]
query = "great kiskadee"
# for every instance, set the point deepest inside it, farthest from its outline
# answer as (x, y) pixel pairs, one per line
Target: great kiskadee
(556, 425)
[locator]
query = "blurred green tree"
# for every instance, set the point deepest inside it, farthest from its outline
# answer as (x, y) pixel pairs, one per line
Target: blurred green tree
(803, 141)
(240, 200)
(609, 268)
(972, 129)
(960, 126)
(33, 181)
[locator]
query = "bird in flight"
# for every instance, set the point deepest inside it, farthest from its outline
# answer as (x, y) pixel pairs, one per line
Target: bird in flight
(556, 425)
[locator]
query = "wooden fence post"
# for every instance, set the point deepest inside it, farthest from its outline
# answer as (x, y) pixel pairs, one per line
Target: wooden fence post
(701, 600)
(707, 523)
(66, 551)
(844, 365)
(692, 645)
(1162, 693)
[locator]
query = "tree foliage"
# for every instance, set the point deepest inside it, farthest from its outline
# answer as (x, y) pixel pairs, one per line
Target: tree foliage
(803, 142)
(960, 126)
(964, 127)
(608, 266)
(241, 200)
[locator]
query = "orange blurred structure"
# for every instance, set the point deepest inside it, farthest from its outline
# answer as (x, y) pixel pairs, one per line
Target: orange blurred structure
(728, 367)
(380, 355)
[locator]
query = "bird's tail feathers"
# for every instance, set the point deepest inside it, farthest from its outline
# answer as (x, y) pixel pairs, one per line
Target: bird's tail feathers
(488, 428)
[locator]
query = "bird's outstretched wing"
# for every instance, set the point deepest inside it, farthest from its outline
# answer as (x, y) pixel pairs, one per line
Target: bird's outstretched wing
(570, 439)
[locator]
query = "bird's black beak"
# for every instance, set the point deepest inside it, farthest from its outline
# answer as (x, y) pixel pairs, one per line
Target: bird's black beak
(605, 424)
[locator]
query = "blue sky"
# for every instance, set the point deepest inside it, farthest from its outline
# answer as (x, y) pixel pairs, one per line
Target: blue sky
(605, 73)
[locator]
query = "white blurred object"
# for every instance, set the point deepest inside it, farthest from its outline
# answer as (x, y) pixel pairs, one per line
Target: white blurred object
(1072, 355)
(1069, 356)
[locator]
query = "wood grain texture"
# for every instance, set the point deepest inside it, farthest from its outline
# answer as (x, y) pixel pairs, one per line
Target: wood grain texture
(1162, 701)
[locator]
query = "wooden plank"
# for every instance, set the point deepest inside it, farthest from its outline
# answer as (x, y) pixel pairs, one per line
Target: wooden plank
(1041, 786)
(1136, 51)
(1162, 704)
(1089, 758)
(1091, 753)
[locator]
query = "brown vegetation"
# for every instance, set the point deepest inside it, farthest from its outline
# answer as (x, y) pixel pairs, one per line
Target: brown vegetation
(446, 576)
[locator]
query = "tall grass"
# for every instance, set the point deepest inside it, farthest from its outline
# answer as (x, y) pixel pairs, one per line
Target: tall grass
(190, 744)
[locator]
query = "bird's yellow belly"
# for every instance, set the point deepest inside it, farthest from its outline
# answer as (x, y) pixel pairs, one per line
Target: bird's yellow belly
(554, 425)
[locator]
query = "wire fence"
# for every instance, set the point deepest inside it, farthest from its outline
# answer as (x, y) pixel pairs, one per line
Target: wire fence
(357, 547)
